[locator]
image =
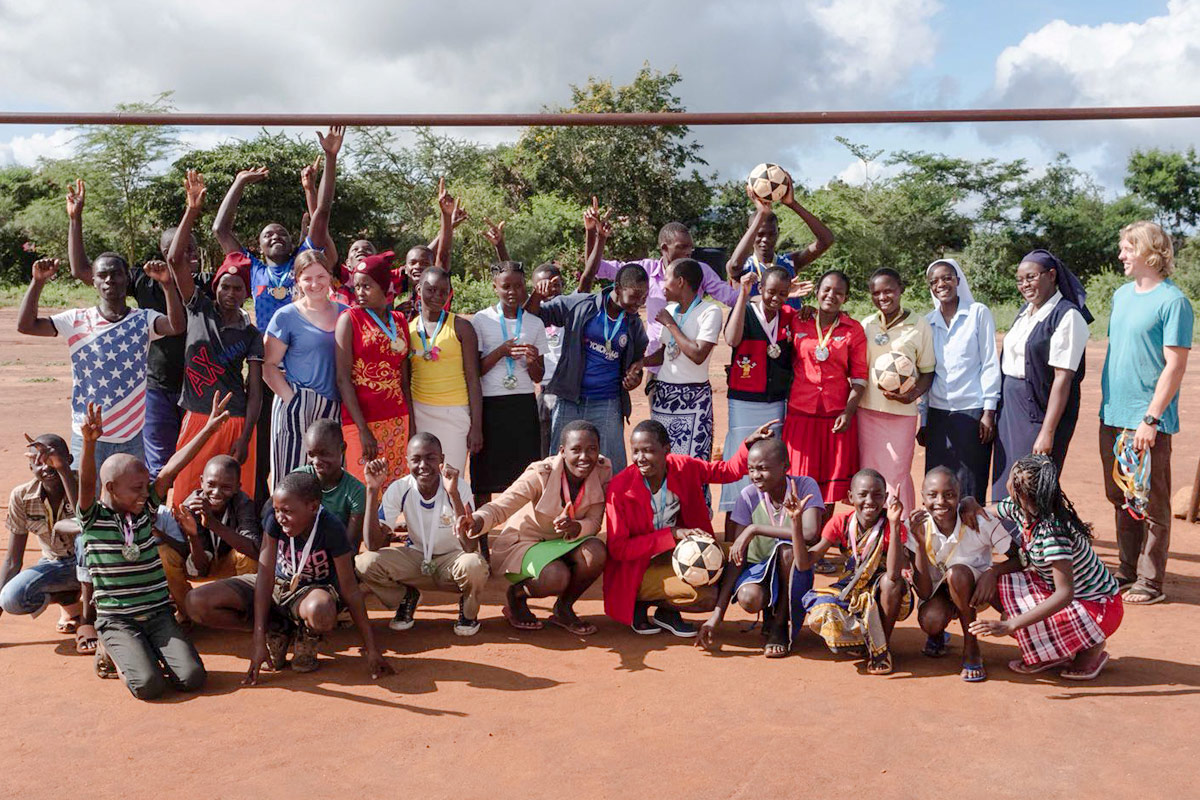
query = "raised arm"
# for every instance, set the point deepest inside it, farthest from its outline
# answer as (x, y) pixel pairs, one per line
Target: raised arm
(824, 236)
(89, 431)
(28, 321)
(308, 184)
(175, 322)
(733, 267)
(81, 267)
(735, 326)
(318, 228)
(596, 238)
(194, 194)
(448, 209)
(223, 223)
(186, 454)
(494, 233)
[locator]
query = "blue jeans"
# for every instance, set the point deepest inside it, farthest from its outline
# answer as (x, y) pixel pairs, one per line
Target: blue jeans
(604, 414)
(133, 447)
(164, 416)
(25, 592)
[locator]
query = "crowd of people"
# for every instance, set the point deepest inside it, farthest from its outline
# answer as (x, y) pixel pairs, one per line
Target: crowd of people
(263, 473)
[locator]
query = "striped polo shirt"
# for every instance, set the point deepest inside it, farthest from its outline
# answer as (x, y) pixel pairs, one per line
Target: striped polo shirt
(122, 587)
(1053, 541)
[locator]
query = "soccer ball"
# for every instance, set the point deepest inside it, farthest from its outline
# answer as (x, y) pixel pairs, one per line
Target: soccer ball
(698, 561)
(769, 182)
(894, 372)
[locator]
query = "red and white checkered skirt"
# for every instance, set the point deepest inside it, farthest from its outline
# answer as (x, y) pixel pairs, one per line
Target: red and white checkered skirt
(1082, 624)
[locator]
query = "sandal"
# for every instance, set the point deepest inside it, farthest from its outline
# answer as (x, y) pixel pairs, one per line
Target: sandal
(520, 624)
(936, 646)
(86, 639)
(1101, 662)
(1021, 668)
(881, 665)
(973, 673)
(105, 668)
(1141, 595)
(67, 625)
(578, 627)
(824, 567)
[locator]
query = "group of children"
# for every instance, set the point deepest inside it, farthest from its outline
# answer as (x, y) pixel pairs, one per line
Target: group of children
(374, 424)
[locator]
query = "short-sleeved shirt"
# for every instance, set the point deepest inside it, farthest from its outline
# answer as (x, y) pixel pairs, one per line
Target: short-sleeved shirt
(271, 284)
(108, 366)
(215, 356)
(753, 374)
(348, 497)
(602, 370)
(123, 586)
(1067, 343)
(30, 513)
(330, 543)
(1052, 541)
(837, 531)
(239, 514)
(311, 358)
(490, 335)
(1140, 326)
(821, 388)
(752, 508)
(964, 546)
(164, 362)
(424, 517)
(703, 324)
(914, 338)
(783, 261)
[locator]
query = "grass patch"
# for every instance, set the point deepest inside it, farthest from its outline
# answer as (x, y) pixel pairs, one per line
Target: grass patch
(58, 293)
(41, 379)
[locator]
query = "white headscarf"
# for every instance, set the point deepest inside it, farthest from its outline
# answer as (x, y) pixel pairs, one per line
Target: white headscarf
(965, 298)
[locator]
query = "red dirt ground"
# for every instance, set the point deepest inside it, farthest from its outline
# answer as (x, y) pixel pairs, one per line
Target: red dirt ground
(507, 714)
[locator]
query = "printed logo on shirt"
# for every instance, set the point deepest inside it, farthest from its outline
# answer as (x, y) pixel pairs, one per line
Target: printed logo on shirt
(623, 340)
(317, 570)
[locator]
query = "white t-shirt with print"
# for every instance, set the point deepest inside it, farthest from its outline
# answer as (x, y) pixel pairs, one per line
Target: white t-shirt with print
(490, 335)
(702, 325)
(425, 518)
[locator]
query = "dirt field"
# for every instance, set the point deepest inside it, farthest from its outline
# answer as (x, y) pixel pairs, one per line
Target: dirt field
(507, 714)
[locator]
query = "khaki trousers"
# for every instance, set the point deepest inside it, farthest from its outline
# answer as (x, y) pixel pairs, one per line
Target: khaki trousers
(391, 571)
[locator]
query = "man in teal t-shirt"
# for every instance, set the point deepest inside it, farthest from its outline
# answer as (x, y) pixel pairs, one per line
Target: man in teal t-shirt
(1149, 338)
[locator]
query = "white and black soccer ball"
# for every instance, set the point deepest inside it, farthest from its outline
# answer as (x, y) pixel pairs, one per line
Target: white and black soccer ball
(698, 561)
(769, 182)
(894, 372)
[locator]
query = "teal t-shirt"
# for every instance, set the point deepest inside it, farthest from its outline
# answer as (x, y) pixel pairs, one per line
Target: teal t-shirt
(1140, 326)
(348, 497)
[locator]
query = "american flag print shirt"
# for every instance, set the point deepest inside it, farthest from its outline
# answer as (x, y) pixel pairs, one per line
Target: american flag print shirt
(108, 366)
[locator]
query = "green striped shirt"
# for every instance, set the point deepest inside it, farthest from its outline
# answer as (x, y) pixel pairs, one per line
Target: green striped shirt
(123, 587)
(1053, 541)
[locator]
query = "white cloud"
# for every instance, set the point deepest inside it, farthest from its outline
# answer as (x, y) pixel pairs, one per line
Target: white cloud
(28, 149)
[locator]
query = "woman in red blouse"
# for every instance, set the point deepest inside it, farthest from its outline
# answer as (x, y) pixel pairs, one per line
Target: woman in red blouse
(372, 371)
(829, 376)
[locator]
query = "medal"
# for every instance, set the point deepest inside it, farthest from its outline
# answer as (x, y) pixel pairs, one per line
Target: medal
(431, 350)
(773, 350)
(609, 333)
(882, 339)
(552, 335)
(428, 568)
(299, 565)
(421, 524)
(672, 350)
(395, 341)
(278, 292)
(510, 363)
(672, 345)
(397, 346)
(771, 329)
(130, 550)
(821, 352)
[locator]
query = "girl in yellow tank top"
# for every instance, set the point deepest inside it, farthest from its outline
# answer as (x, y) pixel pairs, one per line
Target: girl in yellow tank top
(438, 375)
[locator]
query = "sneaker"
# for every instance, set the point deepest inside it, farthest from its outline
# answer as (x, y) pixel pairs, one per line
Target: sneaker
(670, 621)
(304, 656)
(465, 626)
(277, 648)
(641, 621)
(402, 620)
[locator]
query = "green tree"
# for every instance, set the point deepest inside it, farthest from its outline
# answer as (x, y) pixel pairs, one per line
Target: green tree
(1170, 182)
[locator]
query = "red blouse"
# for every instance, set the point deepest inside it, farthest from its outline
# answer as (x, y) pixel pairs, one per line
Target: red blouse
(821, 388)
(376, 369)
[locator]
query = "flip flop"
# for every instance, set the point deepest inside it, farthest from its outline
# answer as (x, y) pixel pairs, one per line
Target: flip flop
(881, 666)
(936, 646)
(973, 673)
(67, 625)
(776, 650)
(579, 627)
(1086, 676)
(1021, 668)
(536, 625)
(85, 642)
(1148, 596)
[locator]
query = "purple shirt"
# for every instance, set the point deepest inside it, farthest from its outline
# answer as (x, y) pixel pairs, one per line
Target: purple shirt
(712, 285)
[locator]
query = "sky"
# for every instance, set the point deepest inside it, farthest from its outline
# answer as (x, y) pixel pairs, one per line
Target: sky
(409, 56)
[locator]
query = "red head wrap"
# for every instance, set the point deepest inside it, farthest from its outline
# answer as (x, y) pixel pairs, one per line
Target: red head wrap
(236, 264)
(378, 267)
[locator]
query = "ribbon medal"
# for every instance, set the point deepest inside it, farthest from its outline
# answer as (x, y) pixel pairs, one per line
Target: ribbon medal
(395, 341)
(510, 363)
(609, 333)
(882, 337)
(821, 353)
(130, 550)
(672, 345)
(430, 351)
(771, 330)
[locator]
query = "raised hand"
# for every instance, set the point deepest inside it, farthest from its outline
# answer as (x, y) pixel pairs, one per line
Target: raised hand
(331, 142)
(308, 175)
(218, 415)
(795, 506)
(450, 476)
(591, 215)
(254, 175)
(157, 270)
(186, 521)
(494, 232)
(375, 474)
(93, 423)
(199, 508)
(916, 524)
(75, 195)
(800, 288)
(445, 200)
(193, 189)
(761, 203)
(763, 431)
(747, 281)
(45, 454)
(459, 215)
(44, 269)
(664, 318)
(895, 512)
(604, 226)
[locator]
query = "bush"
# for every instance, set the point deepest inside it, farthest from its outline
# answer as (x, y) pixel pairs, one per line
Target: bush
(988, 263)
(1187, 269)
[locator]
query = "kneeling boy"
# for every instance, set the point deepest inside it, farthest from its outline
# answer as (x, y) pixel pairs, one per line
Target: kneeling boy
(431, 499)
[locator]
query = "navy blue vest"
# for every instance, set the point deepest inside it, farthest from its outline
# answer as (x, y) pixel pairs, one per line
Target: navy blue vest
(1039, 375)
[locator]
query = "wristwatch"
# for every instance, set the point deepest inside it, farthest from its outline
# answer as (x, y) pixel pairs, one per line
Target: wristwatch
(1152, 421)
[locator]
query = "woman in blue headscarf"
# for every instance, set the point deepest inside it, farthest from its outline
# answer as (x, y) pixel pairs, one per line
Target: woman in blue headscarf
(1042, 365)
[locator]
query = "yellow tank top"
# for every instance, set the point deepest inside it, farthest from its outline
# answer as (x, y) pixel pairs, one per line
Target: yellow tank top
(440, 381)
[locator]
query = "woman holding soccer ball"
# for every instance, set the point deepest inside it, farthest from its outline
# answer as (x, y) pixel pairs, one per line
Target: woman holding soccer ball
(900, 352)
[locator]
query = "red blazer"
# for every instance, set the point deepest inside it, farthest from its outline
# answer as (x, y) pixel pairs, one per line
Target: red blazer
(629, 519)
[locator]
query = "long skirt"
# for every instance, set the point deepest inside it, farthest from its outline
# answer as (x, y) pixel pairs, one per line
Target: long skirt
(450, 424)
(855, 621)
(1016, 432)
(829, 458)
(219, 444)
(952, 441)
(887, 443)
(686, 410)
(512, 440)
(744, 417)
(289, 421)
(1082, 624)
(392, 437)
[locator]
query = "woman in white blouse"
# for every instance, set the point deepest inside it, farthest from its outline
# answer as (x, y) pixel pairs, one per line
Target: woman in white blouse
(1042, 366)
